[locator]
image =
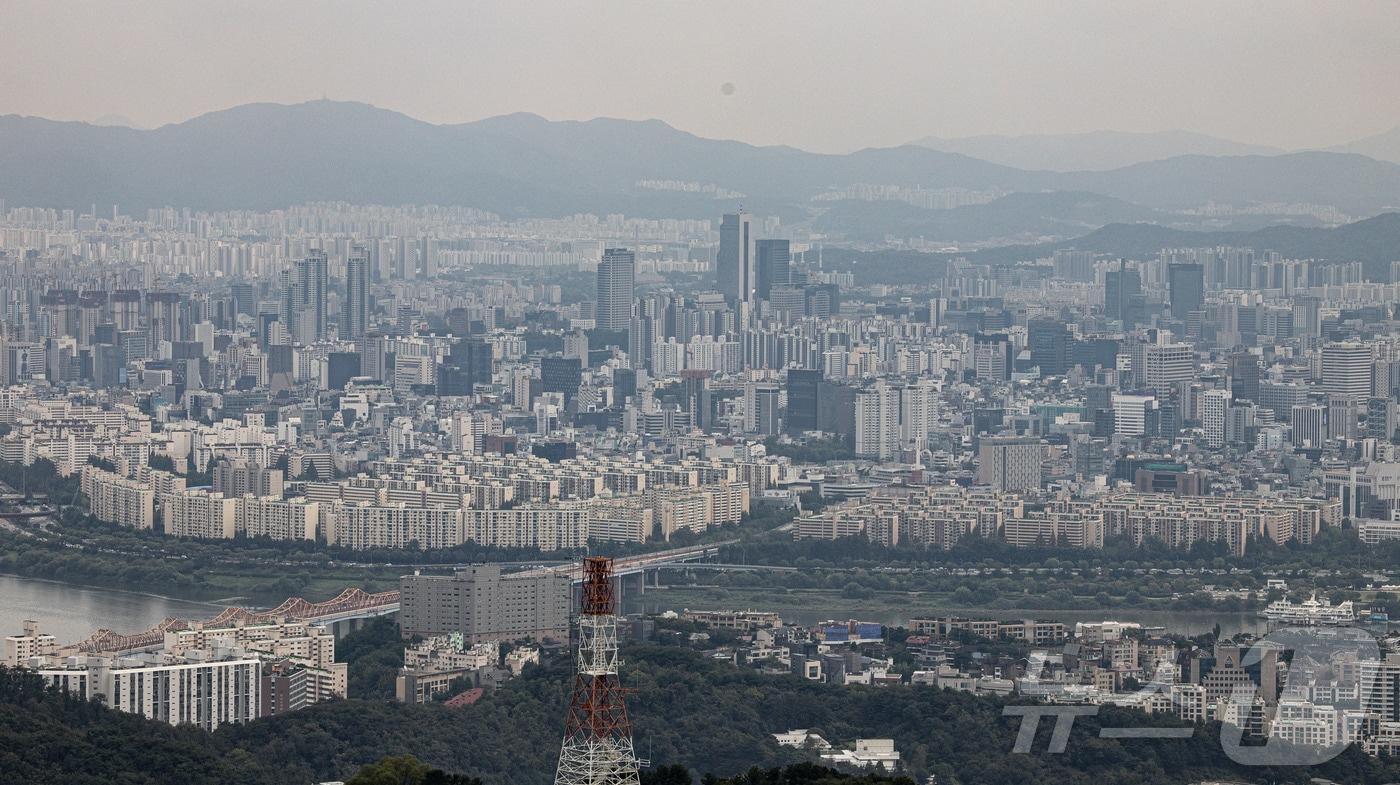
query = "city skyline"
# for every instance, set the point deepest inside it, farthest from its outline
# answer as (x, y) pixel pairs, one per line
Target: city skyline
(349, 437)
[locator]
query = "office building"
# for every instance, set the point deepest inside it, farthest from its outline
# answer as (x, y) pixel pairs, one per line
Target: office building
(774, 260)
(735, 273)
(1186, 288)
(761, 408)
(617, 274)
(1161, 367)
(802, 396)
(1050, 346)
(1009, 463)
(1309, 426)
(1347, 368)
(1134, 415)
(1244, 377)
(992, 357)
(1123, 295)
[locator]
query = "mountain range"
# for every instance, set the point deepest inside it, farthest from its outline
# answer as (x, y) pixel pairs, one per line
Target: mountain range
(1103, 150)
(1091, 151)
(261, 156)
(1371, 241)
(1383, 146)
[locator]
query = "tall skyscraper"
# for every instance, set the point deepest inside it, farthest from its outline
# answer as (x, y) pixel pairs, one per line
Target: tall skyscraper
(1186, 283)
(734, 268)
(774, 258)
(1122, 293)
(617, 277)
(354, 313)
(311, 275)
(304, 298)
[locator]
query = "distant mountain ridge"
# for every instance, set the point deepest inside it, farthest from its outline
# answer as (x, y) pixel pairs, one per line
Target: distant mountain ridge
(262, 156)
(1383, 146)
(1371, 241)
(1092, 150)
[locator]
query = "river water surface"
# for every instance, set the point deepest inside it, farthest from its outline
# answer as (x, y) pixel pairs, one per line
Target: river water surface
(72, 613)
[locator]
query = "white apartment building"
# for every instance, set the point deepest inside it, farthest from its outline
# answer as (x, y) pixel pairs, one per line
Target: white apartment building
(30, 643)
(277, 518)
(113, 498)
(877, 422)
(206, 689)
(199, 513)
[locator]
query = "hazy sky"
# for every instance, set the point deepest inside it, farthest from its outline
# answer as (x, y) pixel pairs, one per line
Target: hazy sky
(823, 76)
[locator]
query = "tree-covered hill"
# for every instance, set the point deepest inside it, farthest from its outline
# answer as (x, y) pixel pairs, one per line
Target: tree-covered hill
(707, 716)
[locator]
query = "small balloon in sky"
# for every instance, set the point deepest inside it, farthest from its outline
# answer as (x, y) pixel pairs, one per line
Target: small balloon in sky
(727, 88)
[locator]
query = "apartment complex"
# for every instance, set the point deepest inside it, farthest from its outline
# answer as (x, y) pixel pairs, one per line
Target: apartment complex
(484, 604)
(113, 498)
(941, 516)
(208, 689)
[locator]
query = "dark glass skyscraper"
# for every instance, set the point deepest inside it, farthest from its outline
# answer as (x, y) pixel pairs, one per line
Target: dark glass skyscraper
(802, 391)
(1187, 289)
(1122, 294)
(1050, 346)
(774, 258)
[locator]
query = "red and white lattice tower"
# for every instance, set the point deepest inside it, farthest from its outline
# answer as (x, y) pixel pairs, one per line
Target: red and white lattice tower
(597, 747)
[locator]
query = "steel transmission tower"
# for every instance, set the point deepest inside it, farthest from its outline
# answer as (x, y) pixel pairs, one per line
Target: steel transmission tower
(597, 748)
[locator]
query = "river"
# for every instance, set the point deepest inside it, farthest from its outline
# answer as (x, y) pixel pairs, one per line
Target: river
(71, 613)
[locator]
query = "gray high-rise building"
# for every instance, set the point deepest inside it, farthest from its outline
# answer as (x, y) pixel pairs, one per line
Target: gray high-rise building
(1009, 463)
(485, 605)
(617, 278)
(1244, 377)
(1123, 294)
(304, 298)
(1186, 284)
(1347, 368)
(354, 312)
(734, 267)
(774, 259)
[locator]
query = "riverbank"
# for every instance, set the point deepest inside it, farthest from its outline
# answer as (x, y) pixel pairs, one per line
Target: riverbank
(811, 606)
(195, 572)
